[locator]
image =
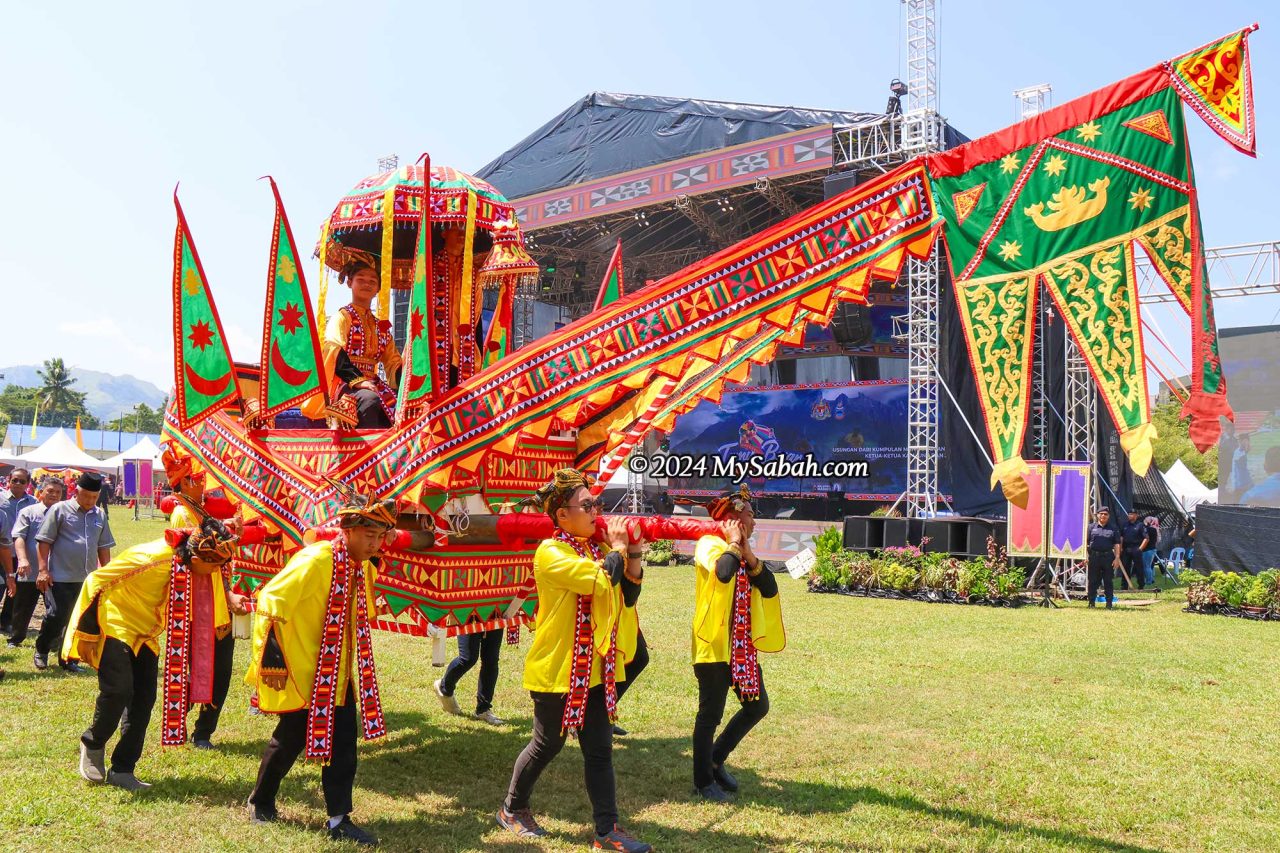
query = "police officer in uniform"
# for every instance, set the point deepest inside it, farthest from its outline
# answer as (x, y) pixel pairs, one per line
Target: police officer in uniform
(1104, 556)
(1133, 538)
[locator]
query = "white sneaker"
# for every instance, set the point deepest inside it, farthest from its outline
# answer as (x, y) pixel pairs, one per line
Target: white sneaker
(449, 703)
(491, 718)
(92, 764)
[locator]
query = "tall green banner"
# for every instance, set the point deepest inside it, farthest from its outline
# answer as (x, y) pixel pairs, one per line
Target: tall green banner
(203, 374)
(292, 367)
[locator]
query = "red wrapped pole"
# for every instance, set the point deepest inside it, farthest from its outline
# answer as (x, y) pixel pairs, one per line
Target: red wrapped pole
(515, 527)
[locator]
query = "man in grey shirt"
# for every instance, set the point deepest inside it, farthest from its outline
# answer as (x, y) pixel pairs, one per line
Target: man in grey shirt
(74, 539)
(12, 501)
(23, 587)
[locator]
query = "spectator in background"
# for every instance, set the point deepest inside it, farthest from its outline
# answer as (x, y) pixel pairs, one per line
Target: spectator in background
(1239, 480)
(1267, 493)
(12, 501)
(24, 531)
(75, 539)
(1133, 538)
(1149, 550)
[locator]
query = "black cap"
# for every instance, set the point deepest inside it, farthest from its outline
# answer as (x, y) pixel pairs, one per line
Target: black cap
(1102, 509)
(90, 482)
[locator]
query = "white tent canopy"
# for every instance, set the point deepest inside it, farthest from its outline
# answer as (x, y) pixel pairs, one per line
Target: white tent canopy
(144, 449)
(60, 451)
(1187, 488)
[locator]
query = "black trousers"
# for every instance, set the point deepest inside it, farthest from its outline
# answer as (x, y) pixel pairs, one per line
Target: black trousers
(126, 695)
(207, 722)
(1101, 571)
(24, 605)
(370, 414)
(485, 647)
(637, 665)
(64, 601)
(6, 610)
(714, 681)
(596, 740)
(1131, 559)
(337, 778)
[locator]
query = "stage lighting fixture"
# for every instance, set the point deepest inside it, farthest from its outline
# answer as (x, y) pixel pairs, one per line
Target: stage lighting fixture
(896, 90)
(579, 270)
(550, 267)
(546, 283)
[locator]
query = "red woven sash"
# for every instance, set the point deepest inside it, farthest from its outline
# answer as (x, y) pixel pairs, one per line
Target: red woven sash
(173, 730)
(575, 706)
(324, 690)
(743, 667)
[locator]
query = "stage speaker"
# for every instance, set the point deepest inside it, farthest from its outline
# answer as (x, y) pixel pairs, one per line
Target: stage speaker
(833, 185)
(940, 532)
(855, 532)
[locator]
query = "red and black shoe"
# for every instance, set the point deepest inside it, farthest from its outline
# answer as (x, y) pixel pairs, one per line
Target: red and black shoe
(619, 839)
(520, 822)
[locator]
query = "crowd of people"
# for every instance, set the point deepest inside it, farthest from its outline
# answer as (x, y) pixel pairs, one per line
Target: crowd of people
(155, 624)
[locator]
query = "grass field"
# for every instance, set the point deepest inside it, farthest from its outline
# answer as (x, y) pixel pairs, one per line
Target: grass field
(895, 726)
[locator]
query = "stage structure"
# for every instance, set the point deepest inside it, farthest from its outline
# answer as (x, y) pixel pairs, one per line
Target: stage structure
(1062, 199)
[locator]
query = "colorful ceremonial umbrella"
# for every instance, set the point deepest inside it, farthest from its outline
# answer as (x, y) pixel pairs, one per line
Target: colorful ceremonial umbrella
(394, 198)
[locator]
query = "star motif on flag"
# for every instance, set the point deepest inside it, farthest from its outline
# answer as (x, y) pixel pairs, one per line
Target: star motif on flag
(416, 324)
(1009, 163)
(1010, 250)
(286, 269)
(191, 282)
(1089, 132)
(1140, 199)
(1055, 166)
(290, 318)
(201, 335)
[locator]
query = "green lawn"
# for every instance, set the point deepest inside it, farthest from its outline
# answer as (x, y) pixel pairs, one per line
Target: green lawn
(895, 725)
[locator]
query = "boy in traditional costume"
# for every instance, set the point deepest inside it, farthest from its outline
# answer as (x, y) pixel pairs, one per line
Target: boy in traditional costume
(355, 342)
(313, 655)
(188, 488)
(159, 588)
(737, 614)
(584, 634)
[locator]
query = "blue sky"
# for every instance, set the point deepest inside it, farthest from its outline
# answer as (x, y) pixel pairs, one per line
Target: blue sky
(109, 106)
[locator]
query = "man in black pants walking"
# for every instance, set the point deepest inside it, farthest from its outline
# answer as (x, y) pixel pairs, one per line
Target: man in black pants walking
(482, 646)
(736, 615)
(585, 631)
(1104, 557)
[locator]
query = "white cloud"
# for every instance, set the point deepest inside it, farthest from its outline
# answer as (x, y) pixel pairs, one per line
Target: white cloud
(109, 330)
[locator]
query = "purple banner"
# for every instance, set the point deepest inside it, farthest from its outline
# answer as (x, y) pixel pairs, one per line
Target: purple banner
(1068, 508)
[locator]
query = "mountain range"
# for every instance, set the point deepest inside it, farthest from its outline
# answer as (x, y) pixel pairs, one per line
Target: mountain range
(107, 395)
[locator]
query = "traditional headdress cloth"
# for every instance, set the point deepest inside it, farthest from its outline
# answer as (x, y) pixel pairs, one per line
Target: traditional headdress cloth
(556, 493)
(176, 467)
(733, 501)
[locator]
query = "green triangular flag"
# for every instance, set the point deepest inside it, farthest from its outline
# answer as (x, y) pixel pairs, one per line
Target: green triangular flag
(292, 367)
(204, 377)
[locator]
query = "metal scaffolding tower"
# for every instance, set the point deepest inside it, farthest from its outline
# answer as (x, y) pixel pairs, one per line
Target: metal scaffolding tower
(1081, 414)
(921, 133)
(526, 294)
(1033, 100)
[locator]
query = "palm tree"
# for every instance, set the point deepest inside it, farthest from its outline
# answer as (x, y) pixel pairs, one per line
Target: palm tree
(56, 394)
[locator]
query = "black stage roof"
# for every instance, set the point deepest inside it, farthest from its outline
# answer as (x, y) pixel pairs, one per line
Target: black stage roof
(675, 179)
(607, 133)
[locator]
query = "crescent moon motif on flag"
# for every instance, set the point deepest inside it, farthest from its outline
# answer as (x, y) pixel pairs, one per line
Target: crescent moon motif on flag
(284, 370)
(207, 387)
